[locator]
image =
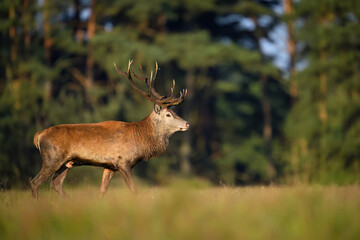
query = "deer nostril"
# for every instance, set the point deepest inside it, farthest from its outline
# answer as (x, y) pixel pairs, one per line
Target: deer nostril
(187, 125)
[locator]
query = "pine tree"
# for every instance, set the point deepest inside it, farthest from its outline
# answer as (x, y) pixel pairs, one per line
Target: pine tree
(323, 125)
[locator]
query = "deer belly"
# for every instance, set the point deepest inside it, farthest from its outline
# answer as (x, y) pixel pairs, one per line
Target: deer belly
(95, 154)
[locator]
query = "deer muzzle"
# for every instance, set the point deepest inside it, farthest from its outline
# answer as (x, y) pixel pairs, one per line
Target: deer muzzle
(186, 127)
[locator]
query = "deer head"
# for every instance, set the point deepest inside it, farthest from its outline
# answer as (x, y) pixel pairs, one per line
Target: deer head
(163, 114)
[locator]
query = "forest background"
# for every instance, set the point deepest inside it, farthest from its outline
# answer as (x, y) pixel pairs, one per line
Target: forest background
(274, 90)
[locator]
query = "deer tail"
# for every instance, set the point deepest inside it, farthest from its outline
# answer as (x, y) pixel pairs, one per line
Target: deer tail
(37, 140)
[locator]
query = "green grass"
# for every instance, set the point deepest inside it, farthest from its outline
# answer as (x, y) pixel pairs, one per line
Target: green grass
(177, 212)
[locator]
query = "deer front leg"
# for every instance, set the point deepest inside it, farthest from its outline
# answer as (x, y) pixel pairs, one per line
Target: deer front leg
(107, 175)
(128, 178)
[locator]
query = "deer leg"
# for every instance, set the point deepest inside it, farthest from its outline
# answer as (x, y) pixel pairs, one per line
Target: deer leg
(106, 177)
(58, 180)
(128, 178)
(37, 181)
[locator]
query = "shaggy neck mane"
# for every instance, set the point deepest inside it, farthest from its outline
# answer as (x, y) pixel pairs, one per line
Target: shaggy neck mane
(153, 143)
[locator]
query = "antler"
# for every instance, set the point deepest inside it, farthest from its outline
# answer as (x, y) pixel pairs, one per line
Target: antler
(151, 94)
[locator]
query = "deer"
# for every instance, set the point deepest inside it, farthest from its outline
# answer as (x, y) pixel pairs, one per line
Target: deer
(112, 145)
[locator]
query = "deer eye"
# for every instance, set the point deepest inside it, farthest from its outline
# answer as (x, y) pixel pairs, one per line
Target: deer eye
(168, 115)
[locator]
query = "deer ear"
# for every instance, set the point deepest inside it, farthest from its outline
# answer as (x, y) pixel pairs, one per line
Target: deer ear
(157, 108)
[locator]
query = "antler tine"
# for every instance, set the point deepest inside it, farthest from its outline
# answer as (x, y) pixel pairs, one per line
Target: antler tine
(172, 89)
(142, 73)
(128, 75)
(148, 81)
(129, 66)
(142, 78)
(156, 69)
(175, 101)
(152, 81)
(151, 94)
(120, 72)
(151, 78)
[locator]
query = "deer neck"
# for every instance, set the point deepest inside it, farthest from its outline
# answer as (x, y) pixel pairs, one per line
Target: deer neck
(154, 140)
(159, 132)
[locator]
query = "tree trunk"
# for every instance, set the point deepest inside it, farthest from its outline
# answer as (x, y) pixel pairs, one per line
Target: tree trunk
(266, 108)
(78, 32)
(12, 34)
(13, 58)
(27, 26)
(91, 27)
(185, 148)
(323, 91)
(267, 126)
(288, 9)
(47, 49)
(89, 74)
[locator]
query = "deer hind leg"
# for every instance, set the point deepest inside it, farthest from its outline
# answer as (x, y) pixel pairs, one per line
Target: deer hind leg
(58, 180)
(43, 175)
(107, 176)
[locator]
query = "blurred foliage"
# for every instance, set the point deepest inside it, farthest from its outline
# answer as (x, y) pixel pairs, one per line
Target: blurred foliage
(323, 126)
(53, 70)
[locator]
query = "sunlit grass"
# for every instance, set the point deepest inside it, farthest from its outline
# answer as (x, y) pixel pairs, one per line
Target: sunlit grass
(177, 212)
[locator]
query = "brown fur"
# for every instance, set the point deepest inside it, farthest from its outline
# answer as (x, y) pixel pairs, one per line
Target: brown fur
(114, 145)
(36, 140)
(144, 132)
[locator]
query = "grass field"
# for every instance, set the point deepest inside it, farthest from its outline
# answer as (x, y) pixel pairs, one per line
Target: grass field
(177, 212)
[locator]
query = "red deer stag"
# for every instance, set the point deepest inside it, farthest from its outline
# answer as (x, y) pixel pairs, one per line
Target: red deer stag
(113, 145)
